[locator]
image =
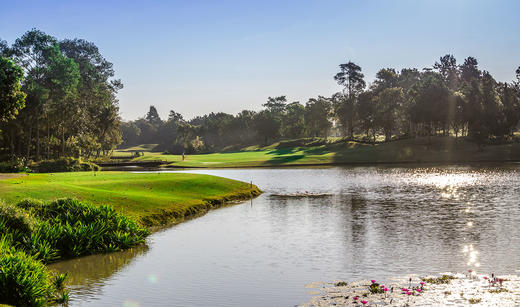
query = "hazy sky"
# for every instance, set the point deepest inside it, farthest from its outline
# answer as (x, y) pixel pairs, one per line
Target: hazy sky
(197, 57)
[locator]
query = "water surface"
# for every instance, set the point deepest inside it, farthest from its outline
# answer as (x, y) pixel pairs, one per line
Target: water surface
(378, 222)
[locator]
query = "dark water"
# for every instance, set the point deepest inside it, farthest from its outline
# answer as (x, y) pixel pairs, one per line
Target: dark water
(378, 222)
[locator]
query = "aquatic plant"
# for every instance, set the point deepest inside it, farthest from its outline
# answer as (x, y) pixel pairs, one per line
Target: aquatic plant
(444, 279)
(376, 288)
(474, 300)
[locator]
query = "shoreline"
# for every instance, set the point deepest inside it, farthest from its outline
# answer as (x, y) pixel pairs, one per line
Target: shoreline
(332, 164)
(413, 290)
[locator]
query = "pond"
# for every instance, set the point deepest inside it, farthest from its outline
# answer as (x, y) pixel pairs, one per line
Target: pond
(371, 222)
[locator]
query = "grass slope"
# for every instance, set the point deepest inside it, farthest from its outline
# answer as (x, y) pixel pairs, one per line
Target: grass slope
(439, 149)
(152, 199)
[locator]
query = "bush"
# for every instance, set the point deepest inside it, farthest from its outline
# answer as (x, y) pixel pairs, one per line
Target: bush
(15, 221)
(69, 228)
(14, 166)
(65, 165)
(24, 281)
(62, 228)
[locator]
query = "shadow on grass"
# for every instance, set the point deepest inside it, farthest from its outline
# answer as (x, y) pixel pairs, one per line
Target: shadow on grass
(282, 151)
(284, 159)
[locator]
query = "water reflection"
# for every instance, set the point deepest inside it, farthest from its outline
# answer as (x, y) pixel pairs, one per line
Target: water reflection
(379, 222)
(87, 275)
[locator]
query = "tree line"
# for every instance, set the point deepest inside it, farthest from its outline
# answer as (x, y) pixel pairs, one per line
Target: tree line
(453, 99)
(57, 98)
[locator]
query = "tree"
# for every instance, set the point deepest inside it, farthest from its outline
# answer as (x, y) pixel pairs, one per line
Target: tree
(130, 133)
(317, 113)
(267, 125)
(293, 123)
(388, 104)
(96, 92)
(386, 78)
(62, 77)
(351, 78)
(447, 67)
(4, 49)
(153, 116)
(469, 70)
(275, 104)
(31, 51)
(366, 110)
(12, 99)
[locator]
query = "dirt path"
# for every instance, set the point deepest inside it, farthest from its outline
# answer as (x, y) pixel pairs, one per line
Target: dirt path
(9, 176)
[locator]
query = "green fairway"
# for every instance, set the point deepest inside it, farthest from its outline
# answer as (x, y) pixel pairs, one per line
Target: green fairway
(438, 149)
(152, 198)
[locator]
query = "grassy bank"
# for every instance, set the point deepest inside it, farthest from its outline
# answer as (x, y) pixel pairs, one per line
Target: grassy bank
(152, 199)
(33, 233)
(434, 150)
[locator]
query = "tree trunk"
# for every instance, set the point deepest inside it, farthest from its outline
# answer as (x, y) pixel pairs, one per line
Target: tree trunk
(11, 143)
(63, 142)
(37, 157)
(28, 153)
(350, 129)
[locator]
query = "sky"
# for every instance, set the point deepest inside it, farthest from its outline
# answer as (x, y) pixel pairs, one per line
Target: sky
(197, 57)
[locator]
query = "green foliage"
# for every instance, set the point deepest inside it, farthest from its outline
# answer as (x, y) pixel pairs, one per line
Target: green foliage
(65, 165)
(13, 166)
(34, 233)
(24, 281)
(12, 99)
(71, 228)
(375, 288)
(15, 220)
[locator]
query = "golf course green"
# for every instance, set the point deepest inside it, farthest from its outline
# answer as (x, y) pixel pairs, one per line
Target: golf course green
(432, 150)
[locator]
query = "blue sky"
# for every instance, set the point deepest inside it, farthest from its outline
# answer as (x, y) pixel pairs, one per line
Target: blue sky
(197, 57)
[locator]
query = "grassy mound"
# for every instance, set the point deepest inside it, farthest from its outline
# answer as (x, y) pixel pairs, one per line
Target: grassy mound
(151, 199)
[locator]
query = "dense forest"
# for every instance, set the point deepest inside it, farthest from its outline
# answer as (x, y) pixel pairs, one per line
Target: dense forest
(57, 98)
(445, 99)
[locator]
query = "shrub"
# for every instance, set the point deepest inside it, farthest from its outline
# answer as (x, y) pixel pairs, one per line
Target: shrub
(65, 165)
(62, 228)
(15, 220)
(14, 166)
(24, 281)
(69, 228)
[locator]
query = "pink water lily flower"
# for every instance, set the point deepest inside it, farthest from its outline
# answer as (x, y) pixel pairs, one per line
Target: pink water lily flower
(356, 298)
(364, 302)
(382, 286)
(373, 280)
(386, 289)
(409, 293)
(422, 283)
(418, 290)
